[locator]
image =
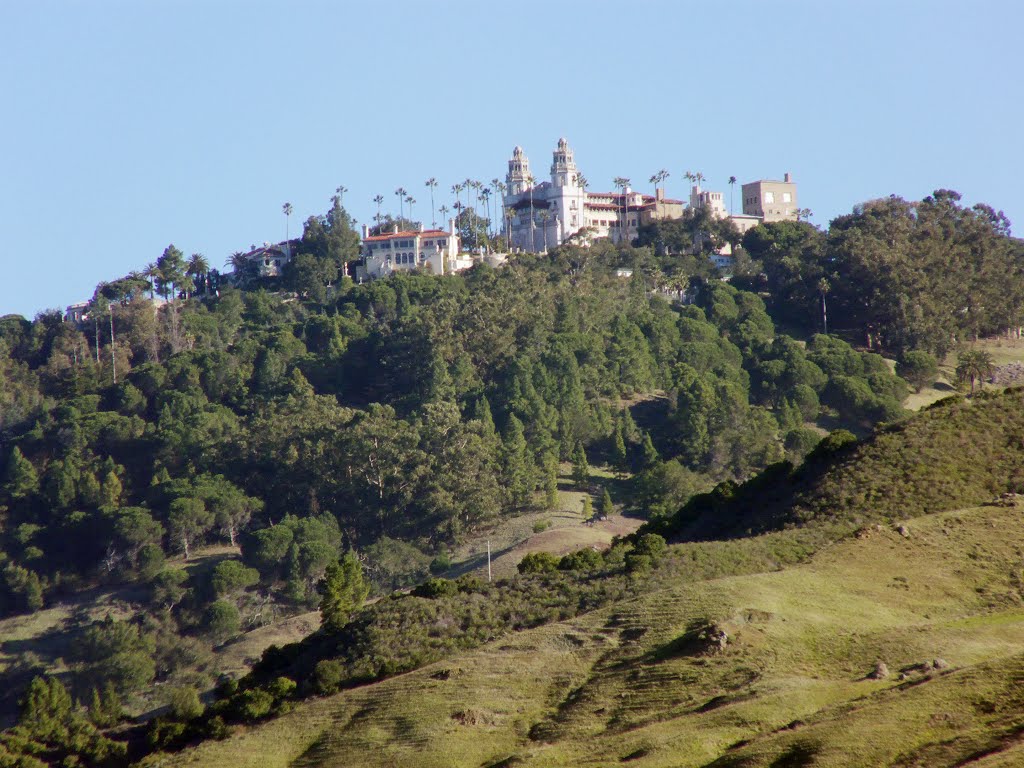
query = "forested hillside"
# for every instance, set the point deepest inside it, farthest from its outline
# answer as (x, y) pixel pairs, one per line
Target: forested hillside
(292, 421)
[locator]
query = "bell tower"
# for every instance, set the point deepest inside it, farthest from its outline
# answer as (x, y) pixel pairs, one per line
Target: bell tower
(563, 167)
(518, 173)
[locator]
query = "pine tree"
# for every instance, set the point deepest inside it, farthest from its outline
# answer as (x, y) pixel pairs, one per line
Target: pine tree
(22, 479)
(607, 507)
(619, 456)
(517, 464)
(551, 480)
(649, 451)
(588, 507)
(580, 467)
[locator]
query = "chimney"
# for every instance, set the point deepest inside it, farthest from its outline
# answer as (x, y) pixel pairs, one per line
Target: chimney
(659, 193)
(366, 231)
(451, 227)
(422, 228)
(394, 229)
(788, 178)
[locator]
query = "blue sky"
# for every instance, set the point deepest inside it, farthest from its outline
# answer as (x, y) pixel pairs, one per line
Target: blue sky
(128, 125)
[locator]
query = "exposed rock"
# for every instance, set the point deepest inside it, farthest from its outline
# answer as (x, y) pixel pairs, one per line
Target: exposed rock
(903, 531)
(880, 672)
(940, 664)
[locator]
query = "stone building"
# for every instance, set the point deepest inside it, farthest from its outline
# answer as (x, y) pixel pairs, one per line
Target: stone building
(433, 250)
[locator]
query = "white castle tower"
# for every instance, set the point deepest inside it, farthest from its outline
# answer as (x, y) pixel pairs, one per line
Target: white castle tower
(518, 173)
(563, 167)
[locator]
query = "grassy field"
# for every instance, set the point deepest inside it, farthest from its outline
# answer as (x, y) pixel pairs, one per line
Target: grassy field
(564, 529)
(1004, 352)
(641, 683)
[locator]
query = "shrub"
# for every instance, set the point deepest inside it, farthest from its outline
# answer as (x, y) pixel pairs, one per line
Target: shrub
(538, 562)
(440, 564)
(183, 704)
(918, 368)
(327, 676)
(585, 559)
(435, 588)
(221, 621)
(253, 704)
(541, 525)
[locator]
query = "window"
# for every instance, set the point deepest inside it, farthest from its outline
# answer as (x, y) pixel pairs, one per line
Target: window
(787, 197)
(440, 243)
(769, 198)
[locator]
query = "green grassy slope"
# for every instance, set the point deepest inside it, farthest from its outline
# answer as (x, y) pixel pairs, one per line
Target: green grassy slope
(636, 684)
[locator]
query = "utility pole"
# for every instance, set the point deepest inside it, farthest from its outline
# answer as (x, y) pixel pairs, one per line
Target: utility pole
(488, 559)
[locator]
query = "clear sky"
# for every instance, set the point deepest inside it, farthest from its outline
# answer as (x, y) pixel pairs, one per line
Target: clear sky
(128, 125)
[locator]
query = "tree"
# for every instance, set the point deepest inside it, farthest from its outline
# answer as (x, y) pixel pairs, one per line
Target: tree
(974, 365)
(343, 592)
(221, 621)
(400, 193)
(431, 184)
(580, 467)
(189, 520)
(607, 508)
(21, 477)
(171, 271)
(622, 184)
(287, 209)
(198, 267)
(732, 186)
(919, 368)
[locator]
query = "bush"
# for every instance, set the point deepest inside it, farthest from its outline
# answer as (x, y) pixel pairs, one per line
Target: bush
(183, 704)
(541, 525)
(918, 368)
(327, 676)
(253, 704)
(435, 588)
(221, 621)
(538, 562)
(440, 564)
(231, 576)
(585, 559)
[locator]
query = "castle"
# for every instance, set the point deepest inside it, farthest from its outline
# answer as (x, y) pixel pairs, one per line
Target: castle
(546, 214)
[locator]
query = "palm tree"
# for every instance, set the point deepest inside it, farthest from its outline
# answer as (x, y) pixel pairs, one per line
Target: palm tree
(411, 201)
(431, 183)
(456, 189)
(287, 208)
(400, 194)
(486, 195)
(732, 187)
(974, 365)
(824, 288)
(803, 213)
(544, 216)
(529, 182)
(151, 272)
(444, 213)
(199, 267)
(622, 183)
(659, 178)
(341, 190)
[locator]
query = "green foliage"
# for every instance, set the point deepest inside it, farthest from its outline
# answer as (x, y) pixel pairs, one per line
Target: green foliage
(434, 588)
(221, 621)
(343, 591)
(918, 367)
(183, 703)
(538, 562)
(231, 576)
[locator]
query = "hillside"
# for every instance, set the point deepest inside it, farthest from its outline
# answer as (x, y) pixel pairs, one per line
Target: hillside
(636, 683)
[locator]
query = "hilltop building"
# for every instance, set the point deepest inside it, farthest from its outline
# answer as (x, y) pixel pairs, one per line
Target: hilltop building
(434, 250)
(771, 200)
(270, 258)
(547, 214)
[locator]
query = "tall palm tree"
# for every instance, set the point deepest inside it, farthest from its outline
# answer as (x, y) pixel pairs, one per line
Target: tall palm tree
(198, 267)
(824, 288)
(544, 216)
(732, 187)
(400, 194)
(341, 190)
(287, 208)
(456, 190)
(622, 183)
(485, 193)
(411, 201)
(444, 213)
(431, 183)
(151, 272)
(530, 182)
(659, 178)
